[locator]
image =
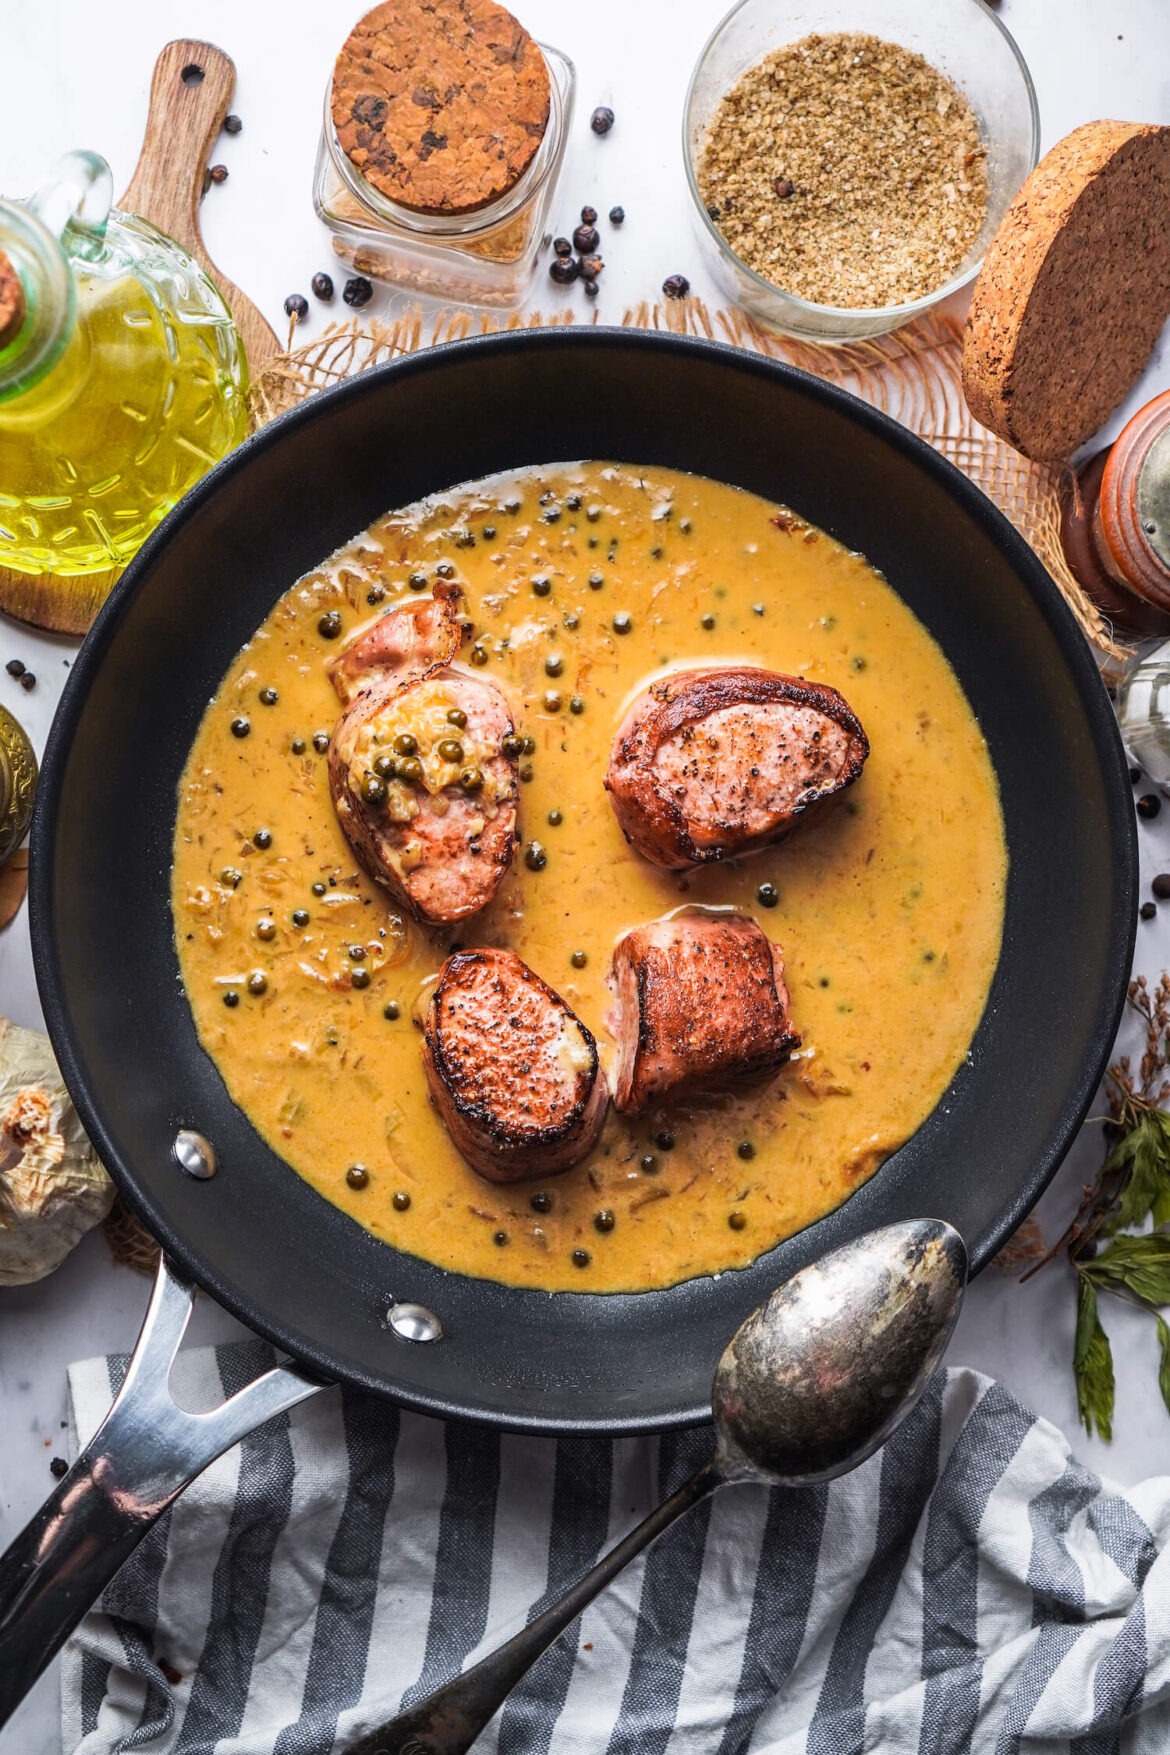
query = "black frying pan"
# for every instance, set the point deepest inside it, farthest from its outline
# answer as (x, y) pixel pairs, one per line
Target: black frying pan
(258, 1238)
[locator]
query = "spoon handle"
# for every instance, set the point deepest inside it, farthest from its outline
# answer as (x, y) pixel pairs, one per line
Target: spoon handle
(448, 1721)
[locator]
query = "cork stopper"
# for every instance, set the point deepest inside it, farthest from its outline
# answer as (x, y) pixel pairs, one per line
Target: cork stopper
(443, 107)
(11, 300)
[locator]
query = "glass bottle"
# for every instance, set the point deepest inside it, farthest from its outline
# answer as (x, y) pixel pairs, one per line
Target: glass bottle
(122, 377)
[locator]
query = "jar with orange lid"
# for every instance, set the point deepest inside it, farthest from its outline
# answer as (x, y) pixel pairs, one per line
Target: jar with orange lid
(1115, 524)
(442, 140)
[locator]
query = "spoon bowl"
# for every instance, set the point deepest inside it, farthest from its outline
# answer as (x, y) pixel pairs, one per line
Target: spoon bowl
(819, 1376)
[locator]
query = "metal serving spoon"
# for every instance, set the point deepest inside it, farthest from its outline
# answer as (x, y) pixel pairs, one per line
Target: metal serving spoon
(815, 1380)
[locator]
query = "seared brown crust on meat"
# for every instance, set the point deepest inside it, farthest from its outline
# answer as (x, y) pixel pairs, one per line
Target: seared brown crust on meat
(711, 763)
(703, 1007)
(442, 847)
(511, 1069)
(403, 645)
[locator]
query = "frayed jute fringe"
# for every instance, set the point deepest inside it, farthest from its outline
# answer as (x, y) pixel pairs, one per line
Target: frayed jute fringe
(912, 375)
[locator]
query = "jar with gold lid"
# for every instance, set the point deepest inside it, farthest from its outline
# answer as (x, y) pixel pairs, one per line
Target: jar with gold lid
(431, 173)
(18, 783)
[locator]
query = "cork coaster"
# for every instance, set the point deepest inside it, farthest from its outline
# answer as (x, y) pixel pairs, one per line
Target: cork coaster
(441, 105)
(11, 301)
(1074, 290)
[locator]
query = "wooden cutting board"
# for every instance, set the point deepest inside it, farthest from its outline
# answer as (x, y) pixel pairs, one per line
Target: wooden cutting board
(190, 95)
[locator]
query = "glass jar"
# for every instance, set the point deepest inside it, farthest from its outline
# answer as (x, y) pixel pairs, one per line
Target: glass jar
(484, 258)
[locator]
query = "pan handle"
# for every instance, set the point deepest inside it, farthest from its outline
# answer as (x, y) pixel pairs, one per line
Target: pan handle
(144, 1453)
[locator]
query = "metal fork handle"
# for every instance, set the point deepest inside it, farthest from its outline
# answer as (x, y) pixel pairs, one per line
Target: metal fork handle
(146, 1451)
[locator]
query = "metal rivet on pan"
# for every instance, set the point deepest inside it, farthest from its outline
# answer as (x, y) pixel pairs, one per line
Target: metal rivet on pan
(195, 1154)
(414, 1322)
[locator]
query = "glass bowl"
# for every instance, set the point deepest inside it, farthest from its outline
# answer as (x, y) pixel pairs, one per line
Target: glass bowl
(961, 38)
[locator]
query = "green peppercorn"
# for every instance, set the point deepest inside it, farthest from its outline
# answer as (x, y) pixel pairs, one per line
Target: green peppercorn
(746, 1149)
(410, 768)
(375, 594)
(297, 746)
(257, 982)
(576, 704)
(231, 877)
(401, 1201)
(489, 532)
(554, 664)
(478, 654)
(572, 620)
(526, 771)
(262, 839)
(318, 889)
(357, 953)
(456, 716)
(269, 697)
(596, 581)
(581, 1258)
(445, 570)
(405, 744)
(266, 930)
(648, 1163)
(767, 895)
(512, 746)
(556, 818)
(359, 978)
(664, 1140)
(541, 1203)
(499, 1238)
(357, 1176)
(593, 513)
(579, 959)
(604, 1220)
(373, 789)
(529, 746)
(450, 749)
(535, 857)
(241, 727)
(737, 1220)
(231, 999)
(541, 585)
(622, 622)
(329, 625)
(471, 779)
(385, 766)
(417, 581)
(707, 620)
(553, 700)
(300, 917)
(390, 1010)
(320, 742)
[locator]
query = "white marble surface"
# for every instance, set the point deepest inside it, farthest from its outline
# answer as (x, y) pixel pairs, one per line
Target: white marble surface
(77, 74)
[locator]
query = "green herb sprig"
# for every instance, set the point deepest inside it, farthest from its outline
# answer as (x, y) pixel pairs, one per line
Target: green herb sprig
(1107, 1243)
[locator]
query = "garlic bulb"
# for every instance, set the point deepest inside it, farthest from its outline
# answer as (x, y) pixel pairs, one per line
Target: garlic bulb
(52, 1187)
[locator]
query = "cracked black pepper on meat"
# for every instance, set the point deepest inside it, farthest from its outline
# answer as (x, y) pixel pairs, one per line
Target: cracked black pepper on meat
(847, 171)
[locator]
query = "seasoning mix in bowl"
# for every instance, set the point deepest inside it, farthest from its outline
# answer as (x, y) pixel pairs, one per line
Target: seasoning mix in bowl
(443, 134)
(851, 161)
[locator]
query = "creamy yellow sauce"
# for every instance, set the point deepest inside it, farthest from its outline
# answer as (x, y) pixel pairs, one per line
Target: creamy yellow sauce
(889, 910)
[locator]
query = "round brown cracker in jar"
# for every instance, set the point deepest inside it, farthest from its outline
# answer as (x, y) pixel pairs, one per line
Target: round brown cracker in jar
(441, 106)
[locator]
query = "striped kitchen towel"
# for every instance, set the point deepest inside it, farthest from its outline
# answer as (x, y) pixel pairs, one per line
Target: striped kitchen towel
(970, 1589)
